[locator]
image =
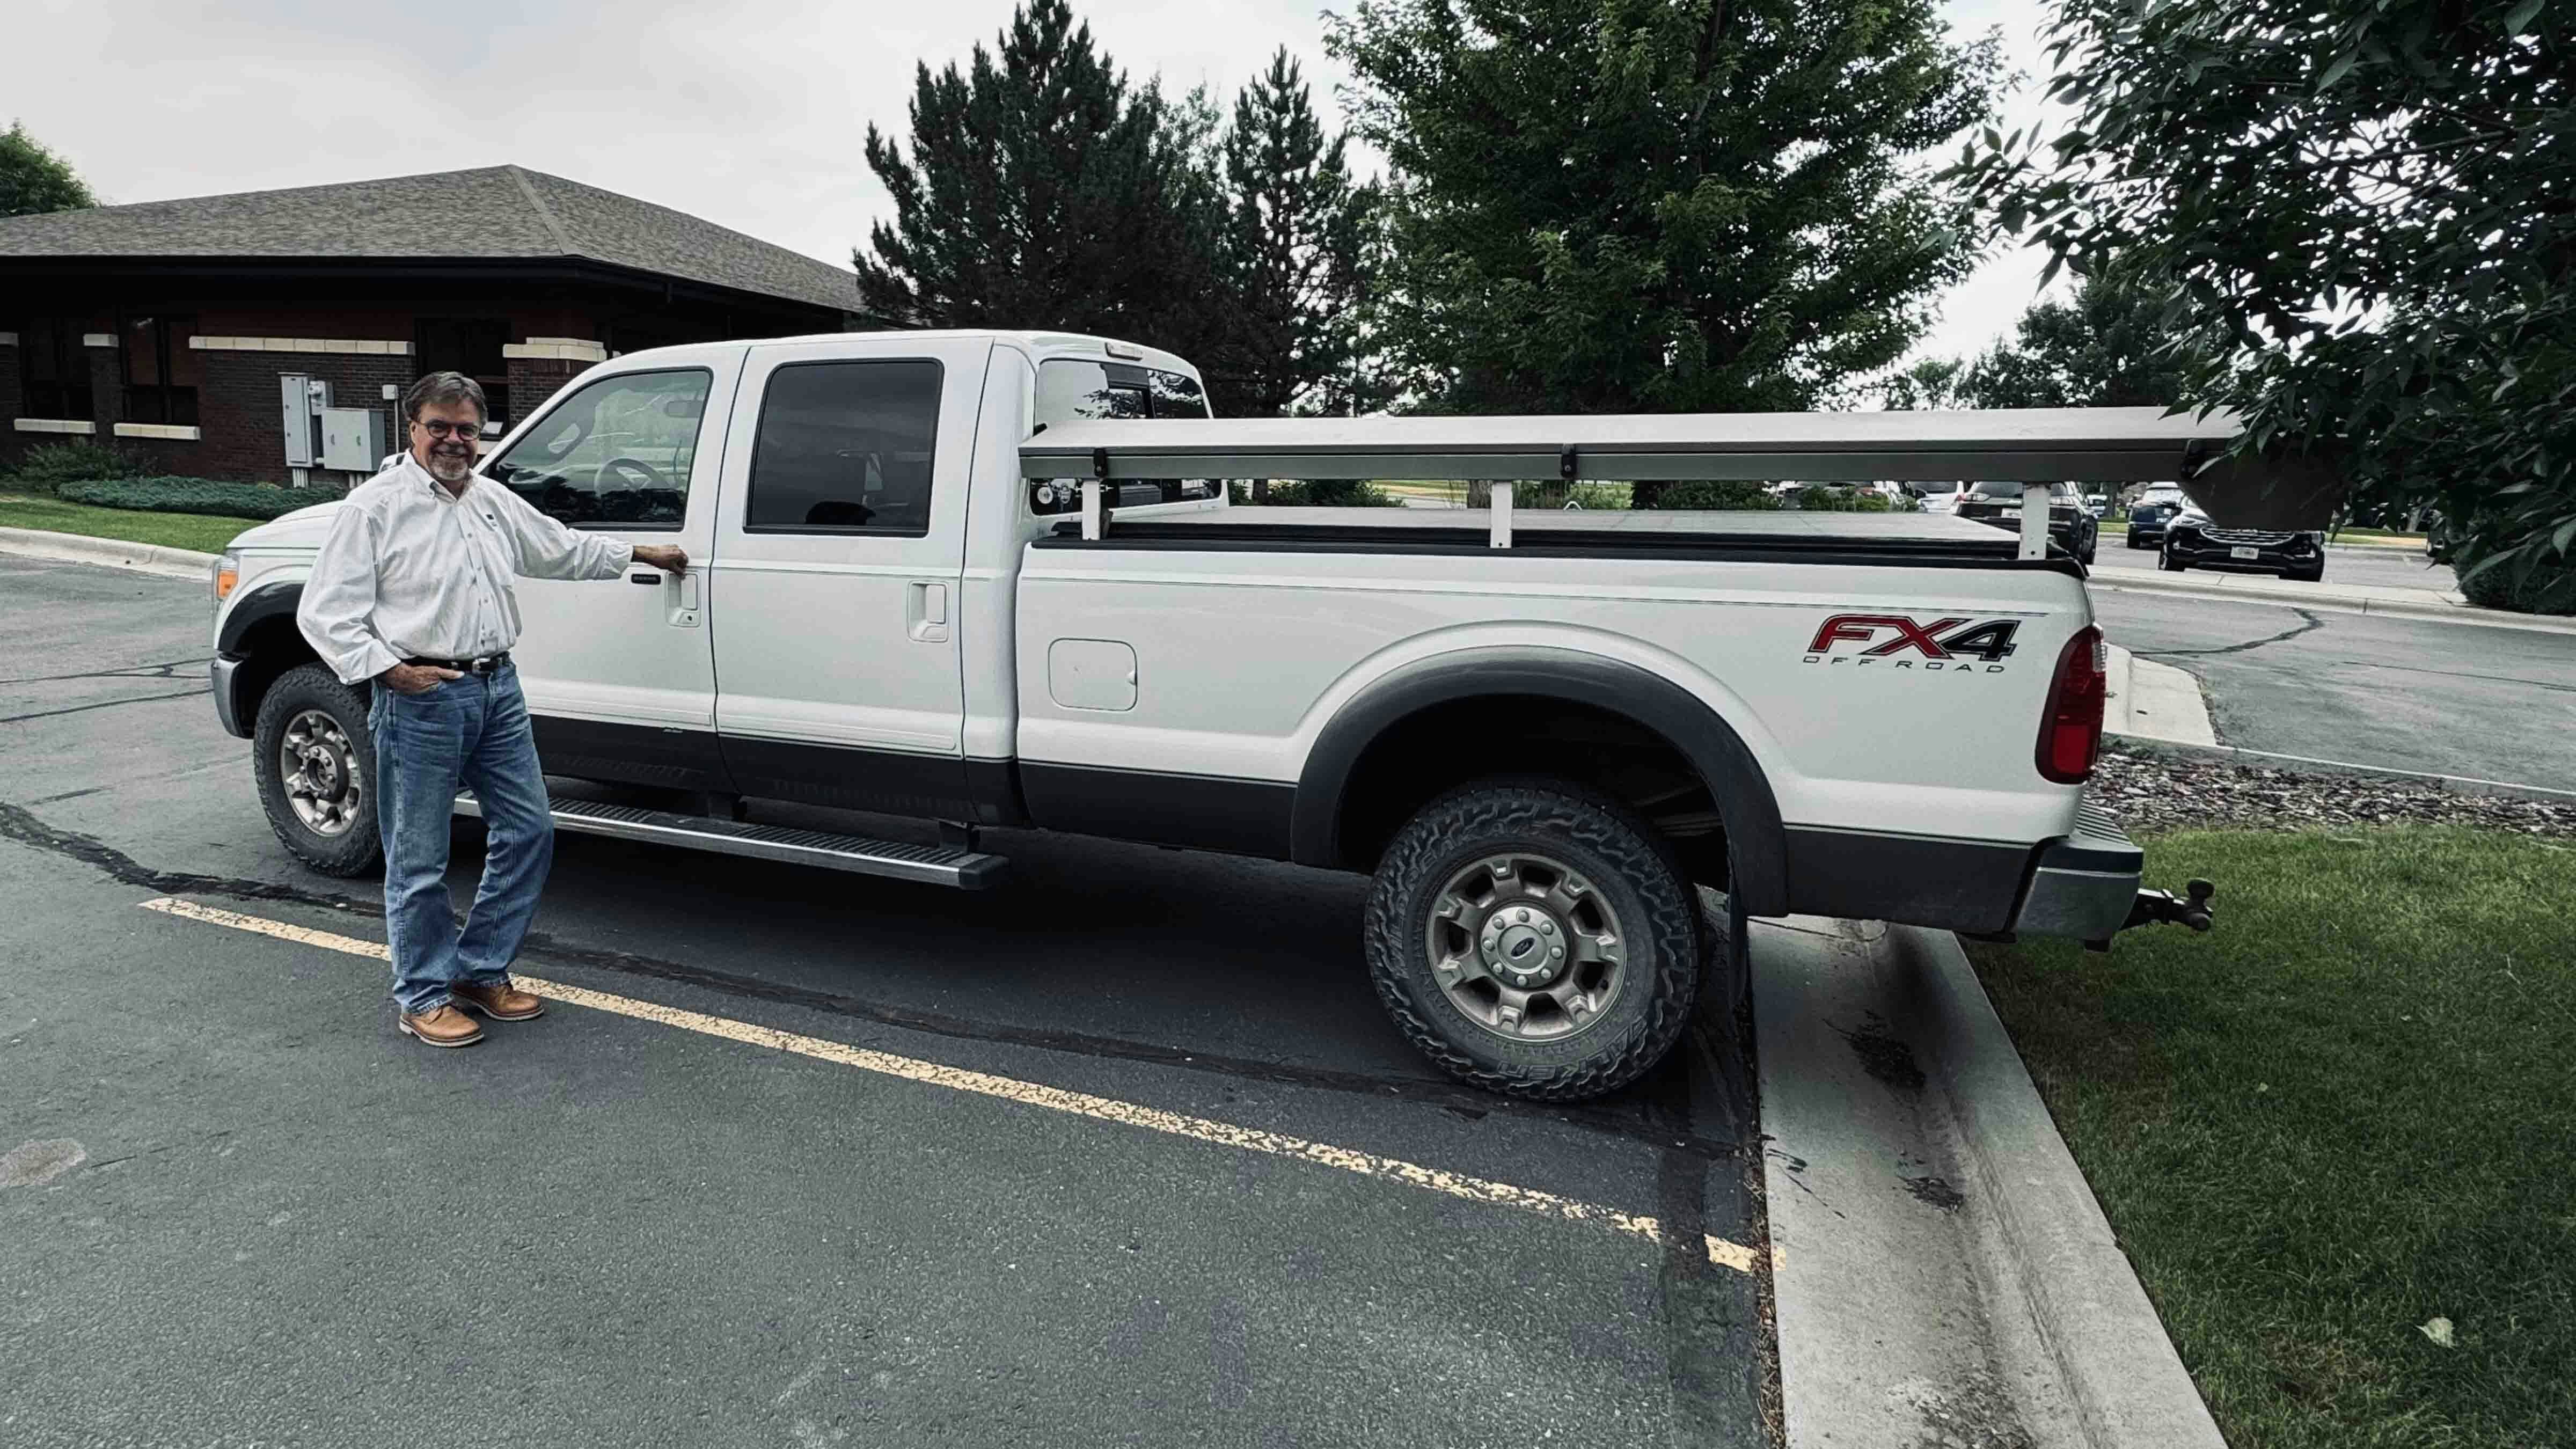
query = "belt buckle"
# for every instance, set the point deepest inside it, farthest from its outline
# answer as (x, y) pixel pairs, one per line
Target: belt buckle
(484, 665)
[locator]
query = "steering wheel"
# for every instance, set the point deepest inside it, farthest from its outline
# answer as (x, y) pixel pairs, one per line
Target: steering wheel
(630, 473)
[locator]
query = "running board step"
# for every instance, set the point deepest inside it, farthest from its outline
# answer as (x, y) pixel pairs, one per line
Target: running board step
(897, 860)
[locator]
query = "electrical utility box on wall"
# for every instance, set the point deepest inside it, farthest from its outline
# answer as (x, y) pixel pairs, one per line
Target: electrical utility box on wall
(301, 400)
(353, 439)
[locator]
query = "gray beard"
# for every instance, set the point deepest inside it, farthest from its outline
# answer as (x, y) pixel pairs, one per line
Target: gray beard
(448, 469)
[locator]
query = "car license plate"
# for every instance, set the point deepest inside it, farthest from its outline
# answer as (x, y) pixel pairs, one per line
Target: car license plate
(2247, 554)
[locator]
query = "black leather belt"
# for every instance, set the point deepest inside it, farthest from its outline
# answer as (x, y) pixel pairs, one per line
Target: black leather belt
(488, 664)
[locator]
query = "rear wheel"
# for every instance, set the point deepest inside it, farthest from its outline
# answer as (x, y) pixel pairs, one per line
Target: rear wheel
(316, 766)
(1536, 939)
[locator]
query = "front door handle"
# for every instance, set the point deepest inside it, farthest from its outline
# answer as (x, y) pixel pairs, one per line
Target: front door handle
(681, 601)
(926, 612)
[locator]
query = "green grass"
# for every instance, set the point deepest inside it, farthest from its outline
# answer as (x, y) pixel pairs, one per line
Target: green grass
(2348, 1111)
(171, 530)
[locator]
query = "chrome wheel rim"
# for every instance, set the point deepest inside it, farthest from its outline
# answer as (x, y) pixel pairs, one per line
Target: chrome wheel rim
(318, 768)
(1526, 947)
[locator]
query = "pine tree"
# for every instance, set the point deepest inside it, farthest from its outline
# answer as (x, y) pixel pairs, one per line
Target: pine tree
(1291, 252)
(1040, 191)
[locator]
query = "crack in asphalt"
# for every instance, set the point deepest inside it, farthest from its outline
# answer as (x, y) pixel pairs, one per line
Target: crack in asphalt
(131, 671)
(2308, 622)
(1655, 1127)
(103, 704)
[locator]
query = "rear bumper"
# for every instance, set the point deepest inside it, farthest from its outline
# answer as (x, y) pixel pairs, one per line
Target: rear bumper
(227, 703)
(2084, 886)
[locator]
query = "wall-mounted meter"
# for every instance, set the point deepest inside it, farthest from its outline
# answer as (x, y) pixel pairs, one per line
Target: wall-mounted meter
(301, 400)
(353, 439)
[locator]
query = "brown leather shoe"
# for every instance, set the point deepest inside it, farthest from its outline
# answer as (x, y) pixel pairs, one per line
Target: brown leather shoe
(498, 1000)
(440, 1026)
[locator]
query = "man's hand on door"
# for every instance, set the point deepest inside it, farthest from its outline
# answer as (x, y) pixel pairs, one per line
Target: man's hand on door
(662, 556)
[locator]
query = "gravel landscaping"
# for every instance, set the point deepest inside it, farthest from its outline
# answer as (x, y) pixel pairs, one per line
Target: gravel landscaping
(2154, 793)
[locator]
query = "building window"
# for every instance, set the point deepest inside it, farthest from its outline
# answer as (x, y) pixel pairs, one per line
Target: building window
(53, 369)
(160, 369)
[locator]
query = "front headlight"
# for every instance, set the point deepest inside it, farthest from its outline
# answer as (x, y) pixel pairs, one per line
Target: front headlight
(227, 574)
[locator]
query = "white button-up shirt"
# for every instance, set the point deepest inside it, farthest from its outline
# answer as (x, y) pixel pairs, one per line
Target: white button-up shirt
(410, 571)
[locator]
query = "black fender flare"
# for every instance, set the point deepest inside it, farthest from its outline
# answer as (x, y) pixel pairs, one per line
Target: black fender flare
(258, 607)
(1757, 844)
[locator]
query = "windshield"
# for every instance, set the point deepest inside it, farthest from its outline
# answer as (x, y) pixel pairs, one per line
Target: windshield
(1071, 388)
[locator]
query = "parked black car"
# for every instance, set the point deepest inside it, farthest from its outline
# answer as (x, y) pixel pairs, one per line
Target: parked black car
(2070, 525)
(2148, 516)
(2191, 539)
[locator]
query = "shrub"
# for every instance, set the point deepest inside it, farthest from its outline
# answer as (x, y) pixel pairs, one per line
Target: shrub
(198, 495)
(1320, 493)
(1728, 493)
(51, 465)
(2546, 589)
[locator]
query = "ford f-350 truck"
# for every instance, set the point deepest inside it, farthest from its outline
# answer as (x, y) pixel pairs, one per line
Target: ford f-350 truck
(988, 579)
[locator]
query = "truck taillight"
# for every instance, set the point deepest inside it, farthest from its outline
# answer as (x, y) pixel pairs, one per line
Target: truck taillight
(2070, 733)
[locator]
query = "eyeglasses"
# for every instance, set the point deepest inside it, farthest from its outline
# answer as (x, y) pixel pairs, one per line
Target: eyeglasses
(440, 428)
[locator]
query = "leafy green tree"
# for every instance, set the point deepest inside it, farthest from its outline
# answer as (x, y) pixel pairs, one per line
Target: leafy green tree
(2117, 343)
(1931, 382)
(1042, 191)
(1659, 205)
(2367, 204)
(1292, 250)
(34, 179)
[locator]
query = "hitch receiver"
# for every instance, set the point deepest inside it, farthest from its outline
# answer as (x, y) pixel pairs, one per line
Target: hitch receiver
(2152, 908)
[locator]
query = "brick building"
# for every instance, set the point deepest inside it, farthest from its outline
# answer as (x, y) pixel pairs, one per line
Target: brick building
(167, 329)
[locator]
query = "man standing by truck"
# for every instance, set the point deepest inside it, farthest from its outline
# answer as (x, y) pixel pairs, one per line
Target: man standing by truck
(411, 590)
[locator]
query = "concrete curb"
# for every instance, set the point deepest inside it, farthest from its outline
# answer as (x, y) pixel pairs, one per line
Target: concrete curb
(150, 558)
(2246, 590)
(2456, 784)
(1943, 1272)
(2155, 702)
(2127, 1383)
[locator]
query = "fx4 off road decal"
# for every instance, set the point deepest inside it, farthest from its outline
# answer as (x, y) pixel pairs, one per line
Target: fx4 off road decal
(1955, 644)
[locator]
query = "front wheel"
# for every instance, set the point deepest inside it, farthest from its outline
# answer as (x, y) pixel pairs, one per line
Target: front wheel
(2170, 564)
(316, 766)
(1535, 939)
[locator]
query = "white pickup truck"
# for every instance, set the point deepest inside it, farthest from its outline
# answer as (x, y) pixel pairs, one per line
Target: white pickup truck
(979, 580)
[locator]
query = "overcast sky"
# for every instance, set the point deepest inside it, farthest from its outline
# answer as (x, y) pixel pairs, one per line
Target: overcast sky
(748, 114)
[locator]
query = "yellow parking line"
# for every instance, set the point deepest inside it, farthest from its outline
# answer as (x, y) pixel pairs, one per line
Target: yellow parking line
(1721, 1252)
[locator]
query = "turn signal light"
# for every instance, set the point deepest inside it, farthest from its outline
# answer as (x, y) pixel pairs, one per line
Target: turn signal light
(2070, 733)
(227, 574)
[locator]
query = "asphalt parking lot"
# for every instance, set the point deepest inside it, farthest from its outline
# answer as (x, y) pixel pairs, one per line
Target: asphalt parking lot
(2384, 690)
(1121, 1153)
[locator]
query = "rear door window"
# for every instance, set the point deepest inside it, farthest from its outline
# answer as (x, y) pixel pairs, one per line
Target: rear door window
(845, 447)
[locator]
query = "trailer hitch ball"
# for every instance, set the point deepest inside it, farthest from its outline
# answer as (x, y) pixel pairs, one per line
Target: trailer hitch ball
(2151, 908)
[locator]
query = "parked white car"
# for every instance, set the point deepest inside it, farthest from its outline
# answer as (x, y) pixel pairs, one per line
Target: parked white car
(979, 579)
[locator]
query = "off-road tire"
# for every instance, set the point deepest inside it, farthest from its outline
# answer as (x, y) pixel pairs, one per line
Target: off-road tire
(1668, 935)
(357, 851)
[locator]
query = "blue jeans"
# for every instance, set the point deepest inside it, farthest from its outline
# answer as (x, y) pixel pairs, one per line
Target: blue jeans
(471, 732)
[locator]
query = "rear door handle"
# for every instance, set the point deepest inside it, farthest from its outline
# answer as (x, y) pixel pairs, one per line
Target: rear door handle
(926, 612)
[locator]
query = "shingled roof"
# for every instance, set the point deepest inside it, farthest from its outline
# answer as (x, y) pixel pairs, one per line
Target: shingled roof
(491, 213)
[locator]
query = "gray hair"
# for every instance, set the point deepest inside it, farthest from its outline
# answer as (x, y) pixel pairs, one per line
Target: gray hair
(444, 389)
